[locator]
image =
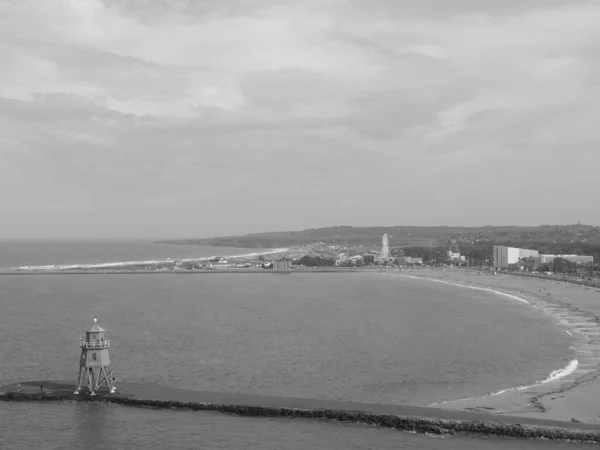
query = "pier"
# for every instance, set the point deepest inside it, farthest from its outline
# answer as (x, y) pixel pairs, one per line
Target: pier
(410, 418)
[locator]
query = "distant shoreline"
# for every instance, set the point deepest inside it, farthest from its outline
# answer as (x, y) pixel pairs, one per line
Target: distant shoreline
(136, 265)
(324, 269)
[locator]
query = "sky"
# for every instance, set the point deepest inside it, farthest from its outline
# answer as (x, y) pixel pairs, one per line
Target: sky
(196, 118)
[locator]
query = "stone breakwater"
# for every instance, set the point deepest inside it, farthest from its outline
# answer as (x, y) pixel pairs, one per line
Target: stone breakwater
(411, 423)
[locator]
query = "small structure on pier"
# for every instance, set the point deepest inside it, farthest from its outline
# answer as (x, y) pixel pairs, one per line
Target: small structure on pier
(94, 363)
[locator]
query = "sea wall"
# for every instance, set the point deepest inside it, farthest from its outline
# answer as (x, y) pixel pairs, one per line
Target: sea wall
(406, 423)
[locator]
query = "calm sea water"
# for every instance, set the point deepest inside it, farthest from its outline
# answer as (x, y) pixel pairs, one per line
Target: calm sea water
(358, 337)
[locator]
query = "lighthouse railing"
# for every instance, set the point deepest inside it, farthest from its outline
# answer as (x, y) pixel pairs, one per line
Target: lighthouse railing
(94, 344)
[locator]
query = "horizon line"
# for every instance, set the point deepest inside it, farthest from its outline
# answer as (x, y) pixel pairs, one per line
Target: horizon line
(240, 234)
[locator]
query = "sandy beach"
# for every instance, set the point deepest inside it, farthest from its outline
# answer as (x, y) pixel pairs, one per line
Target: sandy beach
(570, 393)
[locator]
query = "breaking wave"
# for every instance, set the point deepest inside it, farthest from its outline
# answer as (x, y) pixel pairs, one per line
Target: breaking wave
(554, 376)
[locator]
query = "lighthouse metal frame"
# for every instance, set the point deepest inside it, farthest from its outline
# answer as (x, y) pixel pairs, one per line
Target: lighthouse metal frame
(94, 363)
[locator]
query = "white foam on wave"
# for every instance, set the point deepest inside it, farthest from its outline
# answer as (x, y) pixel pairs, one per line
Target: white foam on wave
(107, 265)
(89, 266)
(554, 376)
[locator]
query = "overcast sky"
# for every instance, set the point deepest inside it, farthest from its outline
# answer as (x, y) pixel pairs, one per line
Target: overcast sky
(183, 118)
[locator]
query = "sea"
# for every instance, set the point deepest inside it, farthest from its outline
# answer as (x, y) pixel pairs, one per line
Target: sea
(338, 336)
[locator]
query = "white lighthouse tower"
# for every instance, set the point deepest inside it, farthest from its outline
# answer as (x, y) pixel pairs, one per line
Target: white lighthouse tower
(385, 247)
(94, 363)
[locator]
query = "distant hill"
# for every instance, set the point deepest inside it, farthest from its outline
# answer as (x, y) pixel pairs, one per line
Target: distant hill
(406, 236)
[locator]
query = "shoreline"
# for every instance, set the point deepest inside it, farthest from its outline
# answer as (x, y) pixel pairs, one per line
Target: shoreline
(424, 420)
(115, 264)
(567, 394)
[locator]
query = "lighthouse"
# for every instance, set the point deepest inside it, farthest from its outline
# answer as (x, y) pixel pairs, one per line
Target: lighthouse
(94, 362)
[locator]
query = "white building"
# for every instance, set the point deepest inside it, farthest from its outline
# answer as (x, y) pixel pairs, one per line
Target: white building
(409, 260)
(579, 259)
(504, 256)
(455, 256)
(342, 258)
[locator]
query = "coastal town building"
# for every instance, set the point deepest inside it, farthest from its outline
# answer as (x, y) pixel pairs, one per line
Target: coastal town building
(505, 256)
(282, 264)
(403, 260)
(341, 259)
(454, 256)
(220, 265)
(368, 259)
(579, 259)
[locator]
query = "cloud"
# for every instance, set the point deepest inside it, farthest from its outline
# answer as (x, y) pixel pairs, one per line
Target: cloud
(147, 102)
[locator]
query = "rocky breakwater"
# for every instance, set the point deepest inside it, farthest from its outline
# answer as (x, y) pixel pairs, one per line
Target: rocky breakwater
(407, 418)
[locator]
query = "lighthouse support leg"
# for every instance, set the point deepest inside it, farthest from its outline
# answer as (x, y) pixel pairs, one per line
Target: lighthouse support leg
(109, 382)
(91, 381)
(104, 377)
(101, 378)
(80, 377)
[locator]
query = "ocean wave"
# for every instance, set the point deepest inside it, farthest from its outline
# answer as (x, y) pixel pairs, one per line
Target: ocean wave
(554, 376)
(107, 265)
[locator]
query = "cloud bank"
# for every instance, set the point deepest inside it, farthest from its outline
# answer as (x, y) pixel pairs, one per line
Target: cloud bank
(167, 118)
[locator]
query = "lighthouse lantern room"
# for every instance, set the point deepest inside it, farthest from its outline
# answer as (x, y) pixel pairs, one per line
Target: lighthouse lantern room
(94, 362)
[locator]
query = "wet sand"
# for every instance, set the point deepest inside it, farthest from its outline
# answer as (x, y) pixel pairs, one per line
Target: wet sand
(573, 397)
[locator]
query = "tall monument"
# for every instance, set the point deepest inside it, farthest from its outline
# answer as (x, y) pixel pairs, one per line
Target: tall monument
(385, 247)
(94, 363)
